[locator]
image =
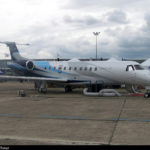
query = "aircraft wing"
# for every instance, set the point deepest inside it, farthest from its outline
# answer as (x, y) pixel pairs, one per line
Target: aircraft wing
(33, 78)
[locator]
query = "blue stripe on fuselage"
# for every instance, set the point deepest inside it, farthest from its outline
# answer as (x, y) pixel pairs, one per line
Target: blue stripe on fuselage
(42, 64)
(45, 65)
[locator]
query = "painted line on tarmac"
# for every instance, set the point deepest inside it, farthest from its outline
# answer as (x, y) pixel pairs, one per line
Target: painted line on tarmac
(136, 120)
(75, 118)
(10, 115)
(64, 117)
(45, 116)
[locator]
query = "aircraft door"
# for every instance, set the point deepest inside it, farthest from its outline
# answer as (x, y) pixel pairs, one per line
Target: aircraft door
(131, 74)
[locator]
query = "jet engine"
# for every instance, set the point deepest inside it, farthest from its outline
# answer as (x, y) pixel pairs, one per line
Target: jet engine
(30, 65)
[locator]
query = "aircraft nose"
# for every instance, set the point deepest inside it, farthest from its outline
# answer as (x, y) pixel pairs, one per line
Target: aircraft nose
(143, 77)
(146, 77)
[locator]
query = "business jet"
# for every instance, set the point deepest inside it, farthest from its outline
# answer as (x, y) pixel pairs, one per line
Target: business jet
(146, 64)
(75, 72)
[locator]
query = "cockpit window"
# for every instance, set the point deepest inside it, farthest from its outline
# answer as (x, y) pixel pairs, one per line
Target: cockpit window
(130, 68)
(138, 67)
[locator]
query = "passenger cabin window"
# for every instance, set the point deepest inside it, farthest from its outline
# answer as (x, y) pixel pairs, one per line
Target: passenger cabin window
(64, 68)
(59, 68)
(75, 68)
(85, 68)
(95, 68)
(130, 68)
(138, 67)
(69, 68)
(90, 69)
(80, 68)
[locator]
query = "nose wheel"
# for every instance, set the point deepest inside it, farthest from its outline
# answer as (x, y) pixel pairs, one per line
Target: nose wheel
(147, 95)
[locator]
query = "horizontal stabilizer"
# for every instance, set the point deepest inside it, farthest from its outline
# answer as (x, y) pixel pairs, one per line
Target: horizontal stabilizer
(6, 42)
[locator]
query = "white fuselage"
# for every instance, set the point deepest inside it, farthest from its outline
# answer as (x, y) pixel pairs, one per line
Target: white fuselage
(104, 72)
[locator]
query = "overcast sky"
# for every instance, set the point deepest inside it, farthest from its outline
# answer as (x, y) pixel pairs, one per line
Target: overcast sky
(65, 28)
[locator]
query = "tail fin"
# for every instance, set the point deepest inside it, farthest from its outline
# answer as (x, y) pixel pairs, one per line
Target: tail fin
(15, 56)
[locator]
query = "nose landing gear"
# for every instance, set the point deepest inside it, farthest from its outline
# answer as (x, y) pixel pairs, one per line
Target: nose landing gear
(147, 94)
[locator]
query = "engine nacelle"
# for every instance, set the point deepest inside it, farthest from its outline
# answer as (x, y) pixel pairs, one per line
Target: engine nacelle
(30, 65)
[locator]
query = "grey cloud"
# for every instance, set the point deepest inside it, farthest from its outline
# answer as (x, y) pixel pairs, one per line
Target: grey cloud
(117, 16)
(139, 40)
(97, 4)
(83, 21)
(129, 42)
(52, 36)
(105, 19)
(135, 45)
(113, 32)
(134, 54)
(66, 53)
(135, 42)
(146, 27)
(147, 19)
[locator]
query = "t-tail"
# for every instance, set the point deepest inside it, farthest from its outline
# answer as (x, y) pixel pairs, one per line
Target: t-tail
(19, 62)
(15, 56)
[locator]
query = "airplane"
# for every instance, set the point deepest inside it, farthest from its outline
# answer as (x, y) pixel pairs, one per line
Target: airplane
(93, 74)
(146, 64)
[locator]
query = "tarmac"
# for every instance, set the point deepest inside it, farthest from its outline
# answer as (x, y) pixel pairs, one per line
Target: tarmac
(59, 118)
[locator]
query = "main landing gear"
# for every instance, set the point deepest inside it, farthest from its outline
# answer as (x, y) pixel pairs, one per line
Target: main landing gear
(68, 89)
(95, 87)
(41, 86)
(147, 93)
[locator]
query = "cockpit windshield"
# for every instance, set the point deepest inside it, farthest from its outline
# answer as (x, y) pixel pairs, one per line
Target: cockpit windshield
(138, 67)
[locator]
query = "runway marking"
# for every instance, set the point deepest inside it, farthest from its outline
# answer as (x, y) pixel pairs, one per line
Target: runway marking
(75, 118)
(137, 120)
(64, 117)
(10, 115)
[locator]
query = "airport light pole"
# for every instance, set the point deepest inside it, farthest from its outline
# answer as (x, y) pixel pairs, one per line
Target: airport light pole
(96, 34)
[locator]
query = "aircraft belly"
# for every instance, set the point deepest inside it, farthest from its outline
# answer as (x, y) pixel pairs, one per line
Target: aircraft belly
(47, 74)
(91, 77)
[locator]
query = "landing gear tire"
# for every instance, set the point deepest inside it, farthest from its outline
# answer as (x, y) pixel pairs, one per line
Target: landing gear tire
(146, 95)
(42, 90)
(68, 89)
(21, 93)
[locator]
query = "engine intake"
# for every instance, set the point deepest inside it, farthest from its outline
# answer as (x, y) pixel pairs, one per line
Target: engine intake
(30, 65)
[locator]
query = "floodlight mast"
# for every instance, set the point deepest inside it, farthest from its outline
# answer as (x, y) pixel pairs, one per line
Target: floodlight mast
(96, 34)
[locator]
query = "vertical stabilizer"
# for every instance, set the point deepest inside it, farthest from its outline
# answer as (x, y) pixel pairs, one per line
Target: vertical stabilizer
(15, 56)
